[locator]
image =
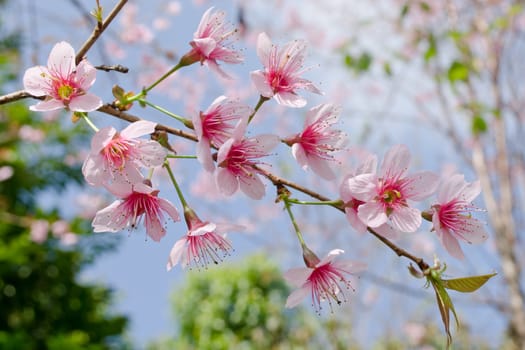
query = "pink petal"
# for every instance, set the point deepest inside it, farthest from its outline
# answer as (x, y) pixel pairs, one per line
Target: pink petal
(266, 142)
(368, 166)
(298, 295)
(103, 221)
(451, 244)
(355, 222)
(252, 186)
(154, 227)
(420, 185)
(261, 84)
(224, 150)
(297, 276)
(329, 257)
(372, 214)
(300, 155)
(86, 74)
(85, 103)
(321, 167)
(152, 154)
(405, 219)
(450, 188)
(62, 59)
(205, 45)
(363, 187)
(169, 208)
(470, 191)
(226, 182)
(36, 82)
(395, 164)
(474, 232)
(214, 67)
(289, 99)
(204, 154)
(46, 106)
(138, 128)
(350, 266)
(92, 169)
(202, 230)
(264, 46)
(176, 253)
(387, 231)
(120, 189)
(102, 138)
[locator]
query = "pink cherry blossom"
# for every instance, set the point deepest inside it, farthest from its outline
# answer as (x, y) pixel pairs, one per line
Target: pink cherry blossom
(312, 147)
(204, 243)
(117, 156)
(215, 125)
(452, 218)
(62, 82)
(282, 72)
(212, 42)
(137, 202)
(322, 280)
(386, 195)
(236, 159)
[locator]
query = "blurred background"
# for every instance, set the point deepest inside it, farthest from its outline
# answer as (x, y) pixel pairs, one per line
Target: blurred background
(444, 77)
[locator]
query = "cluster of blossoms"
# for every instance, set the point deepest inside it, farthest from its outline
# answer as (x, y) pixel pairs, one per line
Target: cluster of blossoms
(379, 200)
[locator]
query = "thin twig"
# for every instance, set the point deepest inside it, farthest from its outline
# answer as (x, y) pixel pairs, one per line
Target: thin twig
(17, 95)
(99, 29)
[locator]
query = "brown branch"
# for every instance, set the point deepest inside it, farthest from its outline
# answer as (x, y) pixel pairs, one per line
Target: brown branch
(99, 29)
(117, 68)
(17, 95)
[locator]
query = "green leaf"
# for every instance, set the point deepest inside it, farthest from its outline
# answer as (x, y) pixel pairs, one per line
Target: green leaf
(445, 306)
(458, 71)
(349, 61)
(432, 48)
(467, 284)
(404, 10)
(364, 62)
(423, 5)
(479, 125)
(387, 68)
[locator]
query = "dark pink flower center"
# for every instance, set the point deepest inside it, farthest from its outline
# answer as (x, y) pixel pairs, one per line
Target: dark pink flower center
(279, 81)
(242, 157)
(117, 151)
(217, 127)
(326, 283)
(451, 215)
(138, 204)
(207, 248)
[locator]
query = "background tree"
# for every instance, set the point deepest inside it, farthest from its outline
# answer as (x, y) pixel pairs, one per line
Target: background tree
(43, 304)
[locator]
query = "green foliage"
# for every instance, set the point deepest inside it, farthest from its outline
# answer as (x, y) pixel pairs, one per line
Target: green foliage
(359, 63)
(238, 307)
(457, 71)
(43, 306)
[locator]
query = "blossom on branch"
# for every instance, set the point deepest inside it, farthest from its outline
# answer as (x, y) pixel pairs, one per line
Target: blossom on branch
(312, 147)
(62, 82)
(282, 72)
(236, 160)
(215, 125)
(118, 156)
(451, 215)
(321, 279)
(212, 42)
(137, 202)
(386, 195)
(204, 243)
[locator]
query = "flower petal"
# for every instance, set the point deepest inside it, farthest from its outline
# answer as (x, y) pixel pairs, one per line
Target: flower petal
(252, 186)
(46, 106)
(289, 99)
(297, 296)
(405, 219)
(372, 214)
(36, 81)
(85, 74)
(226, 182)
(62, 59)
(85, 103)
(103, 221)
(261, 84)
(176, 253)
(297, 276)
(420, 185)
(395, 163)
(138, 128)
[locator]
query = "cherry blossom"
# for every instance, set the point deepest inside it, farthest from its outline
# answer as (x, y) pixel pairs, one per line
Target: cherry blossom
(62, 82)
(312, 147)
(215, 125)
(282, 72)
(385, 195)
(351, 204)
(322, 279)
(236, 159)
(117, 156)
(211, 42)
(203, 244)
(137, 202)
(451, 217)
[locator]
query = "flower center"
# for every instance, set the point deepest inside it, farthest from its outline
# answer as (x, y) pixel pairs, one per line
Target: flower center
(117, 152)
(65, 91)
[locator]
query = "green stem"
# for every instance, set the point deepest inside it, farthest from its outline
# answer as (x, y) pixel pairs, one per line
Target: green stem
(288, 207)
(177, 188)
(176, 156)
(165, 111)
(88, 121)
(334, 203)
(262, 99)
(160, 80)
